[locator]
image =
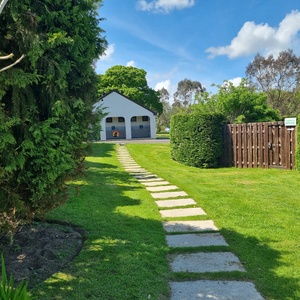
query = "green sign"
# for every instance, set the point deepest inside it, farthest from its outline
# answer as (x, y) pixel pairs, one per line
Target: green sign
(290, 121)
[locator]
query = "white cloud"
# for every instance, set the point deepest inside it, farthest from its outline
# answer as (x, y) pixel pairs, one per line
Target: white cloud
(164, 6)
(236, 81)
(253, 38)
(131, 64)
(108, 52)
(163, 84)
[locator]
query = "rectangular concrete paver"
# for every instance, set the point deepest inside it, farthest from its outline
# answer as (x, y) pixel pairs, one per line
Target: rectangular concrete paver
(189, 226)
(161, 188)
(168, 195)
(129, 168)
(202, 262)
(196, 240)
(182, 212)
(142, 173)
(146, 176)
(156, 183)
(175, 202)
(132, 167)
(214, 290)
(142, 180)
(125, 159)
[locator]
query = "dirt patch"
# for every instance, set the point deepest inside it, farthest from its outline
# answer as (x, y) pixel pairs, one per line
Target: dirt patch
(40, 250)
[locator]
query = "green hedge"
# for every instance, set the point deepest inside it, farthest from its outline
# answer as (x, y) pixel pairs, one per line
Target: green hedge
(298, 144)
(196, 139)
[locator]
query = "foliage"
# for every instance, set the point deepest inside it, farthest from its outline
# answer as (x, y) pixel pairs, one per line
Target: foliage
(187, 91)
(132, 83)
(45, 101)
(164, 118)
(239, 104)
(279, 78)
(7, 289)
(196, 139)
(298, 144)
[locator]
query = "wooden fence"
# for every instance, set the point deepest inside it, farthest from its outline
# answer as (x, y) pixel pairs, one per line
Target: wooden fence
(264, 145)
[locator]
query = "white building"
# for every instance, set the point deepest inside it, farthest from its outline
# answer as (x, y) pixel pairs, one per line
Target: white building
(125, 119)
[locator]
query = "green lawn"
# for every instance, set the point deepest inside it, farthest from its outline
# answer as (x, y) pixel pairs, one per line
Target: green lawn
(164, 135)
(124, 255)
(257, 210)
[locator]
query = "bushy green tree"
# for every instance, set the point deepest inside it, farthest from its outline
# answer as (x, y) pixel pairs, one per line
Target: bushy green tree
(239, 104)
(132, 83)
(45, 101)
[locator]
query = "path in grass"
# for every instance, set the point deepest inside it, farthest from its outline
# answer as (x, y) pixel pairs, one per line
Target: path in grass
(186, 234)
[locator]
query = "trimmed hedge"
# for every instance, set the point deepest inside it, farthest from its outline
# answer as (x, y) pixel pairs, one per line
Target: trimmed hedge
(298, 144)
(196, 139)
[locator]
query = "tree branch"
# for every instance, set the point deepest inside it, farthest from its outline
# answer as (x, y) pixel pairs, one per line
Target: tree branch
(16, 62)
(7, 56)
(2, 4)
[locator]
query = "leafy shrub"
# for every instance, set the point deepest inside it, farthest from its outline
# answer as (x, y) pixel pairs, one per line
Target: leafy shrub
(196, 139)
(46, 102)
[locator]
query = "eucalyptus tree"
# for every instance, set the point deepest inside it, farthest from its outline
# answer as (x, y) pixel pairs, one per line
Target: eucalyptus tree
(279, 77)
(164, 119)
(45, 100)
(187, 91)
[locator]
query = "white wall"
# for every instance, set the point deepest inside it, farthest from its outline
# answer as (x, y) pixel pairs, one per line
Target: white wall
(117, 105)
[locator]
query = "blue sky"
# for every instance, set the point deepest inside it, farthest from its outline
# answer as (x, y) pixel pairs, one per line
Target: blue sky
(205, 40)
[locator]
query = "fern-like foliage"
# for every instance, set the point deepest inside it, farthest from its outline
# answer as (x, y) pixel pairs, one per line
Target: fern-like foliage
(46, 102)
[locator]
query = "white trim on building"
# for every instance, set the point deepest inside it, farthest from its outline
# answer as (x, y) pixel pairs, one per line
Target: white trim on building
(125, 118)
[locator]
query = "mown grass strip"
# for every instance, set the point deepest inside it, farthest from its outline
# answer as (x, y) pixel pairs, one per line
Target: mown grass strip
(257, 210)
(124, 255)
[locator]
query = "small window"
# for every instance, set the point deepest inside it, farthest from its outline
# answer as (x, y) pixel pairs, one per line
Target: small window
(141, 126)
(108, 120)
(145, 118)
(133, 119)
(113, 127)
(121, 119)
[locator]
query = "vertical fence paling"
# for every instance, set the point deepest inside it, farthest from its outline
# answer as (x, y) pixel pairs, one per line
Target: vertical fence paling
(265, 145)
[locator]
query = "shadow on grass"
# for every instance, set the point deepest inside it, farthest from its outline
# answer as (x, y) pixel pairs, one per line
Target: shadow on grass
(91, 165)
(262, 263)
(124, 253)
(107, 149)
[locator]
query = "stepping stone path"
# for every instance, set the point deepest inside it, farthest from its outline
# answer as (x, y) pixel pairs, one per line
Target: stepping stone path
(195, 240)
(189, 226)
(188, 234)
(162, 188)
(175, 202)
(182, 212)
